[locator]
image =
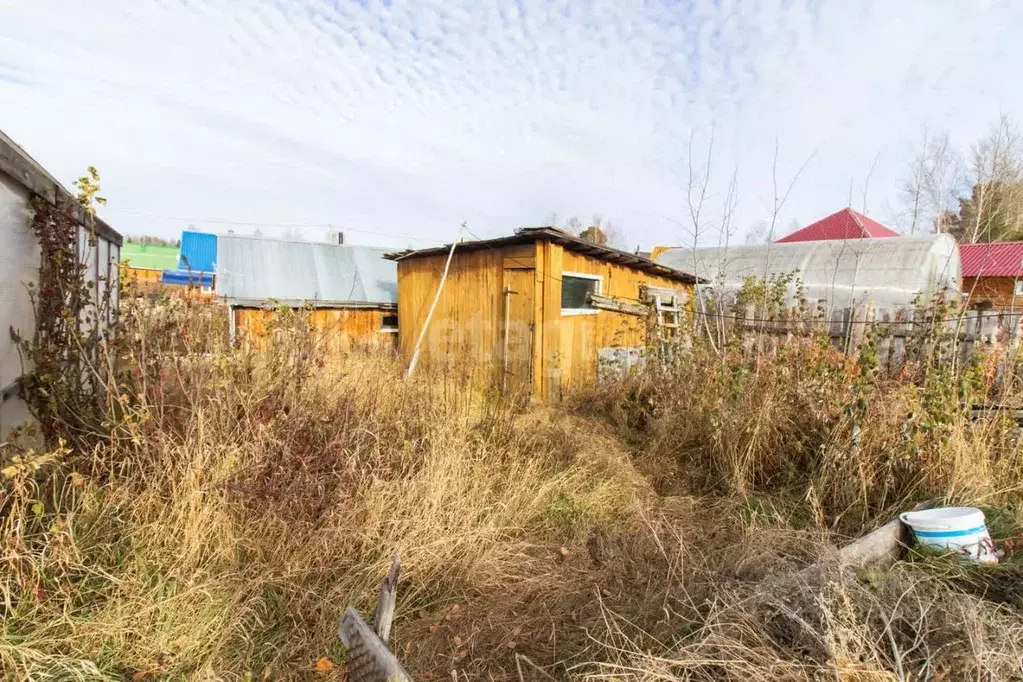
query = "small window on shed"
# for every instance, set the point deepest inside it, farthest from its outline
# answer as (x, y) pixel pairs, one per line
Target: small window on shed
(1019, 287)
(575, 293)
(389, 323)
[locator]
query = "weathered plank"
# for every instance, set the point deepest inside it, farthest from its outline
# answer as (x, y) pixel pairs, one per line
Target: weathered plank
(883, 544)
(369, 658)
(384, 613)
(619, 305)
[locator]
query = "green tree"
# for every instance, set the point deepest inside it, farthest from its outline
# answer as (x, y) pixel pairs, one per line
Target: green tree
(993, 212)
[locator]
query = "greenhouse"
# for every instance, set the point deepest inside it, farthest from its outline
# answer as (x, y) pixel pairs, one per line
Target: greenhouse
(886, 273)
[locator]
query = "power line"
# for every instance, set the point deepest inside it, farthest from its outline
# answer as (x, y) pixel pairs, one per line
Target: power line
(473, 234)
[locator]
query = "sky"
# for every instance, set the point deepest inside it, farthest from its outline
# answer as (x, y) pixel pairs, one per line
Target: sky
(395, 122)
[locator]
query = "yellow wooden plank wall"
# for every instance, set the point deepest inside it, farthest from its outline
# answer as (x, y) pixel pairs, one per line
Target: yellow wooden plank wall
(140, 277)
(466, 327)
(539, 298)
(582, 335)
(337, 329)
(145, 281)
(550, 321)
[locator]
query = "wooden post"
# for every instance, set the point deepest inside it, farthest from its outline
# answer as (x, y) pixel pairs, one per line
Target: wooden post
(848, 315)
(231, 326)
(384, 613)
(884, 346)
(369, 658)
(749, 340)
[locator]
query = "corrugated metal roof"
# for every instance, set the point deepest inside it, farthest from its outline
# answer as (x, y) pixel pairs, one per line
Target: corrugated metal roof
(251, 271)
(525, 235)
(998, 259)
(149, 256)
(198, 251)
(844, 224)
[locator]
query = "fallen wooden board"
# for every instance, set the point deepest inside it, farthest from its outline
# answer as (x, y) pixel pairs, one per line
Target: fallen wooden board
(883, 544)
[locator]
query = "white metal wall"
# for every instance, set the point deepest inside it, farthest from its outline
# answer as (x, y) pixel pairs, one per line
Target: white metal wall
(19, 265)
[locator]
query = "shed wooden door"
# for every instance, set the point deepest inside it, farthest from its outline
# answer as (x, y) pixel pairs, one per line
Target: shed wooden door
(517, 330)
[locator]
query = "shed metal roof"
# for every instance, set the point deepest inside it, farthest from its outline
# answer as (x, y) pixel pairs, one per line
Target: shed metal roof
(525, 235)
(198, 251)
(252, 271)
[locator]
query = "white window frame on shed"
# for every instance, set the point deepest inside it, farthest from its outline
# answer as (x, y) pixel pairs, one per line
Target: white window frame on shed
(1018, 289)
(599, 279)
(386, 329)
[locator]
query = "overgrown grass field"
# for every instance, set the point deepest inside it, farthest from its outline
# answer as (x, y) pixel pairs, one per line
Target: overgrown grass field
(233, 502)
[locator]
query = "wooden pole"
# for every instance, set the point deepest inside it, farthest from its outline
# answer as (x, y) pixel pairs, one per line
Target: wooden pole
(384, 614)
(231, 327)
(426, 324)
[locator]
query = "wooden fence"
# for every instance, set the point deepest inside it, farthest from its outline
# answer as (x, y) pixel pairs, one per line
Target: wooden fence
(900, 335)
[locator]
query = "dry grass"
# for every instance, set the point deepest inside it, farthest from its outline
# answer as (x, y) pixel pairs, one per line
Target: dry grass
(847, 444)
(829, 626)
(244, 499)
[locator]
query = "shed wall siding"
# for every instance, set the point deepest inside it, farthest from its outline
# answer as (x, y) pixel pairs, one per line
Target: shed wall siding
(581, 336)
(334, 329)
(467, 330)
(466, 325)
(141, 278)
(19, 265)
(998, 291)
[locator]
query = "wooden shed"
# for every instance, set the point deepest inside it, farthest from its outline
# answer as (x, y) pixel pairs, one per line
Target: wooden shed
(351, 290)
(993, 275)
(143, 265)
(535, 312)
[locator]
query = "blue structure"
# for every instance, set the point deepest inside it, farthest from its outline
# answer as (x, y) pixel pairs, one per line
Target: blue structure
(198, 252)
(185, 278)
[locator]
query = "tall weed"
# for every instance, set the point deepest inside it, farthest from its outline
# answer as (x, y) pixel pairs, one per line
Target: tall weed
(244, 498)
(800, 418)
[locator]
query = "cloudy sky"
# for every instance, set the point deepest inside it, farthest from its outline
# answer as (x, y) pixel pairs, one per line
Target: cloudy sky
(396, 121)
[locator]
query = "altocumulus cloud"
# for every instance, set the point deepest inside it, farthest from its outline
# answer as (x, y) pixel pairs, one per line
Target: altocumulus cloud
(406, 118)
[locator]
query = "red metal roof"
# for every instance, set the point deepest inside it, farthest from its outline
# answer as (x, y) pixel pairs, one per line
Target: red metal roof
(998, 259)
(844, 224)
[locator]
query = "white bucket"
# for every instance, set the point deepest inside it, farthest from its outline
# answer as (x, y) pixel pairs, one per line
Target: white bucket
(961, 529)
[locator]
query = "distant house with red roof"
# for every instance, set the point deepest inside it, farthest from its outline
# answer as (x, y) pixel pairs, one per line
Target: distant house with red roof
(993, 275)
(844, 224)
